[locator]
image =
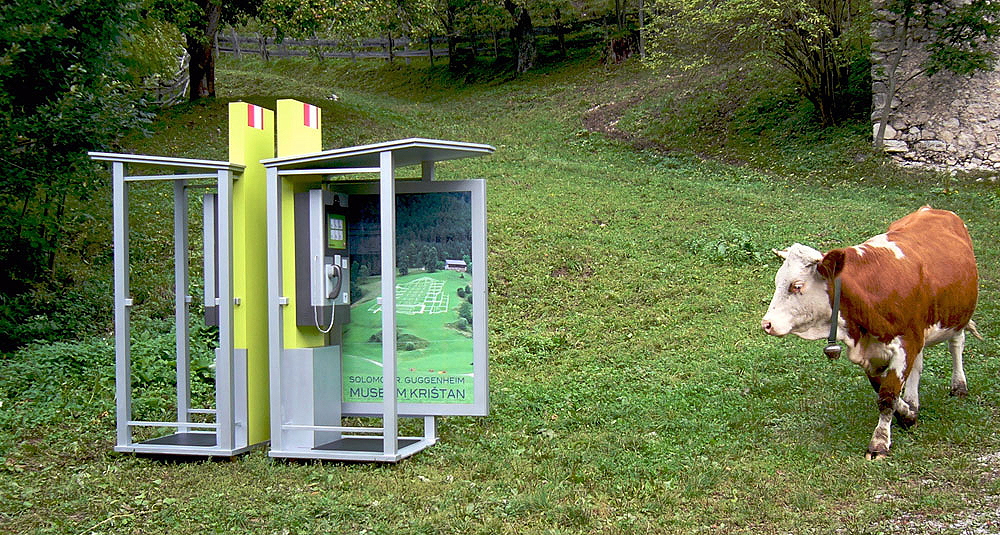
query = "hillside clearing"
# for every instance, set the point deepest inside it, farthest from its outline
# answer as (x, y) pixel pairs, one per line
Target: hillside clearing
(631, 387)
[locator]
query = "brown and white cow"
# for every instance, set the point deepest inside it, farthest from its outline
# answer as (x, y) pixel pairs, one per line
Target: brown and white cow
(913, 286)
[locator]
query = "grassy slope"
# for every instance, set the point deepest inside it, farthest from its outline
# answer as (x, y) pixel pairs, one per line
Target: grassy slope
(631, 389)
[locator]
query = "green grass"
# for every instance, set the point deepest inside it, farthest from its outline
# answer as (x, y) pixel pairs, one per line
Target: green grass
(631, 389)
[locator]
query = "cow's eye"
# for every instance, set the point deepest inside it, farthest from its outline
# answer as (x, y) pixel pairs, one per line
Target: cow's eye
(796, 287)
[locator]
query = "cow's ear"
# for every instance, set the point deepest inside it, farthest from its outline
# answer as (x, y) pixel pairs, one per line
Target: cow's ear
(832, 264)
(781, 254)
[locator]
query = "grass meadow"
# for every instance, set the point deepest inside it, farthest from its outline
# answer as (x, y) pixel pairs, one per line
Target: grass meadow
(631, 387)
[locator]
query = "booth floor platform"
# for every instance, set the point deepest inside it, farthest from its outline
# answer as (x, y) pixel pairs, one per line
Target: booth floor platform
(367, 445)
(204, 440)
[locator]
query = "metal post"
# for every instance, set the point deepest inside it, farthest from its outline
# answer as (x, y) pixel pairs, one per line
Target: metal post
(225, 409)
(427, 170)
(387, 203)
(210, 263)
(275, 312)
(123, 366)
(430, 429)
(181, 303)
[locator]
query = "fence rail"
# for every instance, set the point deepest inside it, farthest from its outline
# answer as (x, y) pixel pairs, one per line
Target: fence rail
(229, 42)
(268, 47)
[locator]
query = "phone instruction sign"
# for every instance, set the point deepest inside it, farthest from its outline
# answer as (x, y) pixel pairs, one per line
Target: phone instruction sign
(336, 239)
(440, 300)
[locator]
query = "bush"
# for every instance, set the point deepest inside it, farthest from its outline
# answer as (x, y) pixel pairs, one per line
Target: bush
(46, 314)
(465, 311)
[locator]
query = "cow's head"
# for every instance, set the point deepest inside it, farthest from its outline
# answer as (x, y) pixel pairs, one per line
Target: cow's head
(800, 304)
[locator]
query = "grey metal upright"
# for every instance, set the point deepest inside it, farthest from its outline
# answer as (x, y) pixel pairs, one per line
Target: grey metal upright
(387, 213)
(190, 437)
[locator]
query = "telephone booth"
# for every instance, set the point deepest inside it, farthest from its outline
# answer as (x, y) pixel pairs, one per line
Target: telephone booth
(235, 297)
(342, 273)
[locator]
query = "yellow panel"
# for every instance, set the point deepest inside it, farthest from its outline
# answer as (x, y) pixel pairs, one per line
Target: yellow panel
(298, 133)
(251, 139)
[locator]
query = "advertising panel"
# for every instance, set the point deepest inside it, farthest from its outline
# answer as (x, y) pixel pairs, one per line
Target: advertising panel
(440, 299)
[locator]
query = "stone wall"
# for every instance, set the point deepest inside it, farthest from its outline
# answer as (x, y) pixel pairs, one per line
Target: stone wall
(942, 122)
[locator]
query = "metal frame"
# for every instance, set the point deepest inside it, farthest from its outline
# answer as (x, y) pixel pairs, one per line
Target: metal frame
(384, 159)
(224, 439)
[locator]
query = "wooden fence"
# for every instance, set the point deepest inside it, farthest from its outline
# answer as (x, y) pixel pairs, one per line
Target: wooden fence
(268, 47)
(584, 32)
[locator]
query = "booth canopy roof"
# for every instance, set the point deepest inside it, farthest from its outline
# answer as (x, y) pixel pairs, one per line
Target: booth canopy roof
(411, 151)
(178, 164)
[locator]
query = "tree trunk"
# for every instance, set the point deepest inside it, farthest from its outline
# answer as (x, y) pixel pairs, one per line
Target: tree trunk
(523, 35)
(201, 47)
(560, 32)
(891, 76)
(449, 31)
(642, 30)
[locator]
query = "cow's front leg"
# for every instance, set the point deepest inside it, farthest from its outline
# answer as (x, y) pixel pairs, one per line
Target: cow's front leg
(886, 383)
(908, 405)
(888, 386)
(904, 356)
(878, 448)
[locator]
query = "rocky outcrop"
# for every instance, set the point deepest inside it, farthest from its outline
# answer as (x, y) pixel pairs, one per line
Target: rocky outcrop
(944, 122)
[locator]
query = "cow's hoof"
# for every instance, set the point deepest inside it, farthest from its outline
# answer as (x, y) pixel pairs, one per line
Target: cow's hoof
(906, 421)
(876, 455)
(960, 390)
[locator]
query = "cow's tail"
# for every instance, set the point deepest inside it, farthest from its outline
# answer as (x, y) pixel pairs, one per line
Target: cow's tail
(971, 327)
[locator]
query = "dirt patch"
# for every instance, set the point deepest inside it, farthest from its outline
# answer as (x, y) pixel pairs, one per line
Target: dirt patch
(981, 516)
(583, 273)
(604, 118)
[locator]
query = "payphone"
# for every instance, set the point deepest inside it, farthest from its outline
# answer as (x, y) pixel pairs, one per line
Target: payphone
(322, 263)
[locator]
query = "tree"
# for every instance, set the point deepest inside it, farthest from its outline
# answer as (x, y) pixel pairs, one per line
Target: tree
(63, 91)
(460, 19)
(622, 40)
(523, 35)
(958, 32)
(816, 41)
(61, 94)
(556, 13)
(465, 311)
(199, 21)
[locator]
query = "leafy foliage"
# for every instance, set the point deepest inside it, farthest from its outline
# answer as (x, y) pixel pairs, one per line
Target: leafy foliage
(734, 246)
(45, 383)
(62, 93)
(815, 40)
(960, 33)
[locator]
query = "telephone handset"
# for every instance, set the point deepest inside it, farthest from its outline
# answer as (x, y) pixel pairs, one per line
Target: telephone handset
(321, 259)
(333, 280)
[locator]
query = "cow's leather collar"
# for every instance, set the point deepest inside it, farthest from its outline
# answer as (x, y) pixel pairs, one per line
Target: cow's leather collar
(832, 349)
